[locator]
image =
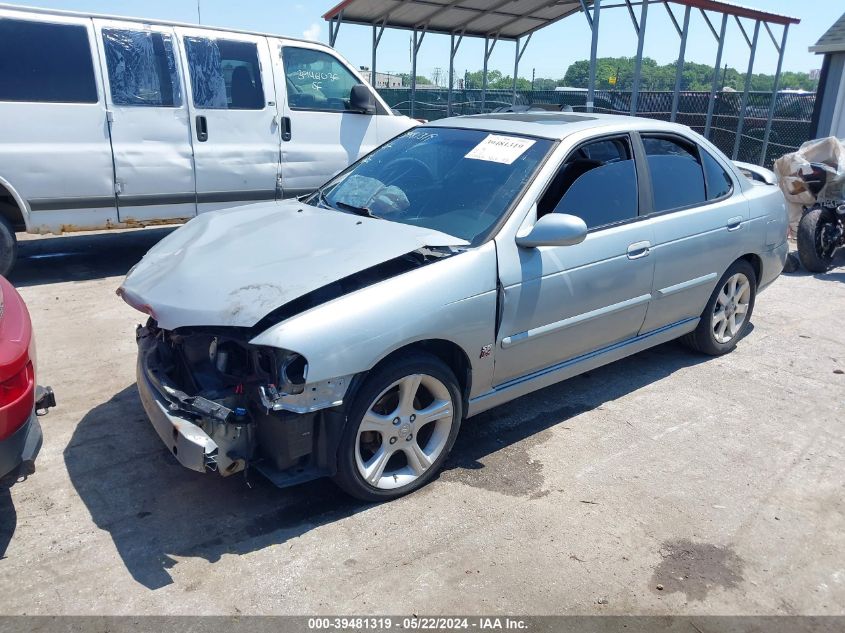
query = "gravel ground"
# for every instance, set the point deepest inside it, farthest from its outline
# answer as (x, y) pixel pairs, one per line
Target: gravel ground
(665, 483)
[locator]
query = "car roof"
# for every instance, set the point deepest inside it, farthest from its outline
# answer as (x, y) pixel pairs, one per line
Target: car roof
(555, 125)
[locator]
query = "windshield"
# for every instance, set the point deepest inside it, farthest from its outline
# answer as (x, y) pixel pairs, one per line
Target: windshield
(459, 182)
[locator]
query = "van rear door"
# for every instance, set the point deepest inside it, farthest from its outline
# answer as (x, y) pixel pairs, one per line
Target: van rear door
(54, 141)
(149, 121)
(234, 120)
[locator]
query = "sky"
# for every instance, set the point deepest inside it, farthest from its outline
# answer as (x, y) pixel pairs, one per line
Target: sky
(549, 53)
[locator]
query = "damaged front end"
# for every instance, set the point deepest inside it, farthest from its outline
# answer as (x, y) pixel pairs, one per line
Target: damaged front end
(222, 404)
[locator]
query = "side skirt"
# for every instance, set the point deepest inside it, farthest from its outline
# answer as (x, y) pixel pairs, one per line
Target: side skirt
(532, 382)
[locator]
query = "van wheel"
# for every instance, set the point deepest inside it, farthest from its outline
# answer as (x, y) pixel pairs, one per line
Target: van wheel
(8, 247)
(727, 315)
(401, 426)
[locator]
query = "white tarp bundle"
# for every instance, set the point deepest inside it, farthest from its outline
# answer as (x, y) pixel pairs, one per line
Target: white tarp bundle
(828, 152)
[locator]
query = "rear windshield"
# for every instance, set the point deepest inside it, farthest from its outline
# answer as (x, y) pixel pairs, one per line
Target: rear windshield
(459, 182)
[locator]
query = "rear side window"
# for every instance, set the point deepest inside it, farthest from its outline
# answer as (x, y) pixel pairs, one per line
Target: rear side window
(719, 184)
(142, 68)
(677, 179)
(225, 75)
(45, 62)
(597, 183)
(316, 80)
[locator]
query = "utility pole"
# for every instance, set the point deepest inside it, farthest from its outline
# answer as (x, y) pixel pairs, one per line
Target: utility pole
(199, 13)
(435, 76)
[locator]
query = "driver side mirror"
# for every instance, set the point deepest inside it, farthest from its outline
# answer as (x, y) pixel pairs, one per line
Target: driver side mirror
(362, 100)
(554, 229)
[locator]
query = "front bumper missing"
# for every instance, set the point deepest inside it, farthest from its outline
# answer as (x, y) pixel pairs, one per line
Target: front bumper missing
(190, 445)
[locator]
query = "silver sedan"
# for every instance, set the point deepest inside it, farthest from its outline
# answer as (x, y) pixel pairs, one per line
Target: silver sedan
(463, 264)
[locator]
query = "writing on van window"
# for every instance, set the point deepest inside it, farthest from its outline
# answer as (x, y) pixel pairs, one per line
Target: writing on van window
(225, 75)
(142, 68)
(316, 80)
(312, 74)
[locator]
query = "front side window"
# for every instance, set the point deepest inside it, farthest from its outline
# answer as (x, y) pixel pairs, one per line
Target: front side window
(677, 179)
(464, 193)
(719, 184)
(142, 68)
(225, 74)
(597, 183)
(45, 63)
(316, 80)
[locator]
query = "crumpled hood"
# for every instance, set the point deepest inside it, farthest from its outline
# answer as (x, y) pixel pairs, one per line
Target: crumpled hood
(233, 267)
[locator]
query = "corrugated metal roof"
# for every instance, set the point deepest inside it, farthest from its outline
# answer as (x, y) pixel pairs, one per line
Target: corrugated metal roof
(507, 19)
(833, 41)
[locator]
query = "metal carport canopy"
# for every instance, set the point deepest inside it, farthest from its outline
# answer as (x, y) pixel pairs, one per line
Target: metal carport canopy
(508, 19)
(514, 20)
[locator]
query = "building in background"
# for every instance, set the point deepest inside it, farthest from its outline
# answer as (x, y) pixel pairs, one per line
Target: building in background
(829, 112)
(383, 80)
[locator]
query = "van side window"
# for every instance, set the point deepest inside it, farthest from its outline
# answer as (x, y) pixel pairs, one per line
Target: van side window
(142, 68)
(225, 74)
(677, 179)
(316, 80)
(597, 183)
(719, 184)
(45, 62)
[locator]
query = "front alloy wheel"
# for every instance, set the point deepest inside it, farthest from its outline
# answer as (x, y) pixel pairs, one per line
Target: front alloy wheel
(402, 425)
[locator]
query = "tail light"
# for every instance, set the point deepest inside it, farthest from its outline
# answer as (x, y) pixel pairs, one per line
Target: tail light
(17, 357)
(17, 398)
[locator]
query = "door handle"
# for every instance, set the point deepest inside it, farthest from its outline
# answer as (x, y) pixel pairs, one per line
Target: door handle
(734, 223)
(286, 128)
(202, 128)
(639, 249)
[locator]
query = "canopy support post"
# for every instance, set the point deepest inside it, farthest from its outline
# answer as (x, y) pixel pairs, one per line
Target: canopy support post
(517, 58)
(334, 27)
(638, 63)
(378, 31)
(679, 73)
(418, 38)
(453, 49)
(488, 50)
(745, 91)
(593, 21)
(715, 85)
(775, 86)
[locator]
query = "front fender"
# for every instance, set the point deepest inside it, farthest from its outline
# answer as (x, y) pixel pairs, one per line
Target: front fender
(453, 299)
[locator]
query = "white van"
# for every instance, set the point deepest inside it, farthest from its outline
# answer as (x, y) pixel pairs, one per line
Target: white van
(110, 122)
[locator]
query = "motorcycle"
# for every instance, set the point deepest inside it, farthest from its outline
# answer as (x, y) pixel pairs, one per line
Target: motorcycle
(822, 227)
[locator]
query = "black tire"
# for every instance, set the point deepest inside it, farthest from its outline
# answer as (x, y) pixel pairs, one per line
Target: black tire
(813, 257)
(348, 476)
(8, 247)
(703, 337)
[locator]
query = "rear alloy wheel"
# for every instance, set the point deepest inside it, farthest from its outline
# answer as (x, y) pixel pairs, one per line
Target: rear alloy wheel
(402, 425)
(728, 312)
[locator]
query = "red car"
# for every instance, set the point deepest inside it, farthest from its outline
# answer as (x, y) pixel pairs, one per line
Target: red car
(20, 397)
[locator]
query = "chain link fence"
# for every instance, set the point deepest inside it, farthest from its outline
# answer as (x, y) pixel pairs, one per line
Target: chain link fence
(791, 124)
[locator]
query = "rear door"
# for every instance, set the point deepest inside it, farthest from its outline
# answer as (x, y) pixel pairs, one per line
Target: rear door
(54, 138)
(148, 117)
(321, 136)
(234, 119)
(700, 219)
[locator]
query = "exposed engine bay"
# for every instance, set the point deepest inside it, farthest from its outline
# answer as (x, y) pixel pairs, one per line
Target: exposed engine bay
(253, 402)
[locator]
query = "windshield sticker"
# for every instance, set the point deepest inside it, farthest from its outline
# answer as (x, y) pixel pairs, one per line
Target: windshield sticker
(500, 149)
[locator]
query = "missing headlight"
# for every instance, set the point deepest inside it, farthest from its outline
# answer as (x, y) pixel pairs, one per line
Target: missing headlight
(293, 373)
